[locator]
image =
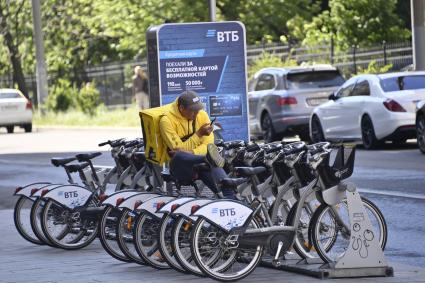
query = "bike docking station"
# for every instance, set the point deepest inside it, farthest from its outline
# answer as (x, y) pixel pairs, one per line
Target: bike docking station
(363, 257)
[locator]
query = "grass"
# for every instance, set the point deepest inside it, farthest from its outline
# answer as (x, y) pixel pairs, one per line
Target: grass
(103, 117)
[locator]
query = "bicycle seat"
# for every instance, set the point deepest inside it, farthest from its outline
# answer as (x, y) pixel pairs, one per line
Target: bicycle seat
(232, 182)
(87, 156)
(249, 171)
(76, 167)
(59, 161)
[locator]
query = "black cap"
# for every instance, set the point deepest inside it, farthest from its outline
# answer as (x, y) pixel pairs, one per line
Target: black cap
(190, 99)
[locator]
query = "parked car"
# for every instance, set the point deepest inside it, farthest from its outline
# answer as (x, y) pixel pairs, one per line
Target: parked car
(420, 125)
(15, 110)
(371, 108)
(281, 99)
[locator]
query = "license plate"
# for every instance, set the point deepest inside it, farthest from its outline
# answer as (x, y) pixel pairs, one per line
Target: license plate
(9, 107)
(316, 101)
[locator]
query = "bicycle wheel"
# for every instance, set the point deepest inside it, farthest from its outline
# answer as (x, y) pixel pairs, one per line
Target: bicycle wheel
(35, 217)
(65, 228)
(124, 232)
(145, 239)
(108, 234)
(165, 245)
(220, 254)
(330, 229)
(22, 220)
(302, 245)
(180, 243)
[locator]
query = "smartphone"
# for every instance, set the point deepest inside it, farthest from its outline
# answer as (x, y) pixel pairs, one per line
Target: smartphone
(213, 120)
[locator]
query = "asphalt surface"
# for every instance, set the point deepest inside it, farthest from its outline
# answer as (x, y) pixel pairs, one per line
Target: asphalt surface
(393, 178)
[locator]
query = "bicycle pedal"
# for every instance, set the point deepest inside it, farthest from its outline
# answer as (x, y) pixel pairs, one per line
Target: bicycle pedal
(276, 263)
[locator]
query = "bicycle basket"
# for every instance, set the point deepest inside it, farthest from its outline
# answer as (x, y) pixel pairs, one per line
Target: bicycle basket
(123, 160)
(303, 170)
(341, 168)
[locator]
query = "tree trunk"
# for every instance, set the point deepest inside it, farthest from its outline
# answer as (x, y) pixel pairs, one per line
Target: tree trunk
(18, 75)
(15, 58)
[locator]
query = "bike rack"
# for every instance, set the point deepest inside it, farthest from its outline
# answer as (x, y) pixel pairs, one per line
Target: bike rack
(363, 258)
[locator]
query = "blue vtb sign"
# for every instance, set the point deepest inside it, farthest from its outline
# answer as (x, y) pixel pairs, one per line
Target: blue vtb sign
(209, 58)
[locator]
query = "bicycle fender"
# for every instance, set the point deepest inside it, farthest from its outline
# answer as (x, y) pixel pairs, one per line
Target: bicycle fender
(226, 214)
(151, 205)
(112, 199)
(26, 190)
(186, 208)
(50, 187)
(131, 201)
(70, 196)
(179, 201)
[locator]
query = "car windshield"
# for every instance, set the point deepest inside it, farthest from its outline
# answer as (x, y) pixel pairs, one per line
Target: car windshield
(403, 83)
(315, 79)
(9, 95)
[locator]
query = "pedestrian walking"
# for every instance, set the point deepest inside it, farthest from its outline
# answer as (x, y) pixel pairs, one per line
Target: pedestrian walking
(140, 88)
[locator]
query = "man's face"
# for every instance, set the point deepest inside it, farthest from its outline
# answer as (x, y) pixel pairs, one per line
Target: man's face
(188, 113)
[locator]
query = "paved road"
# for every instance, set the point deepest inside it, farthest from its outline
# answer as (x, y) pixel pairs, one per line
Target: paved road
(21, 261)
(393, 178)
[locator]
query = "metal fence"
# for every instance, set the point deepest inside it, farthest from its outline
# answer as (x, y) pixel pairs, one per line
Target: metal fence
(114, 80)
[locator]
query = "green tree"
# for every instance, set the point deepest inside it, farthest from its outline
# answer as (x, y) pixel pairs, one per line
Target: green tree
(87, 99)
(62, 95)
(269, 19)
(356, 22)
(13, 31)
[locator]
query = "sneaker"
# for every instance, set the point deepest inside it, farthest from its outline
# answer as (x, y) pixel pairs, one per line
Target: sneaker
(213, 156)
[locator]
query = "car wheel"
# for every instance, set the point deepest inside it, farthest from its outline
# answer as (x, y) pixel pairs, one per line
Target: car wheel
(368, 134)
(269, 134)
(28, 128)
(10, 129)
(420, 132)
(316, 131)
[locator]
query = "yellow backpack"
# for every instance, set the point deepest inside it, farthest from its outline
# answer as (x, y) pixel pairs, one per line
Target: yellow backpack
(155, 148)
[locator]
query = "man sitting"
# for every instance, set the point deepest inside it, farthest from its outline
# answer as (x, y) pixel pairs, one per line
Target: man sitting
(187, 132)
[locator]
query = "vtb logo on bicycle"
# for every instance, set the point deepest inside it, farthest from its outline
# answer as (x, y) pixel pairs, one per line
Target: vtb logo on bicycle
(225, 211)
(72, 194)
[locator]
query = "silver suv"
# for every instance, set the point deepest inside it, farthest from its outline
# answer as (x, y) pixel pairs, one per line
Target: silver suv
(281, 99)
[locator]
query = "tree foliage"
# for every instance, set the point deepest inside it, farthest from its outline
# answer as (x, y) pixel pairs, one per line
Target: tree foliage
(81, 33)
(356, 22)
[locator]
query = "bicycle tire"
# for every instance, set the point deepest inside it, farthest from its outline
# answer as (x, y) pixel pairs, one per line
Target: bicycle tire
(123, 231)
(181, 238)
(165, 246)
(77, 242)
(18, 218)
(302, 246)
(107, 239)
(35, 217)
(221, 273)
(146, 226)
(324, 208)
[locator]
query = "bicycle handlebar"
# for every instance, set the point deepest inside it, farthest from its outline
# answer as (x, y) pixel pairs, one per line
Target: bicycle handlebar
(133, 143)
(87, 156)
(111, 142)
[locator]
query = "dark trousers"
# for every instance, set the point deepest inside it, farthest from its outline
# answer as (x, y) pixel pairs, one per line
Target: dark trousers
(181, 168)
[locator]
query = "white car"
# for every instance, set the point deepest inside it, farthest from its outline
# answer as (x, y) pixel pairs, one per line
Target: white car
(15, 110)
(371, 108)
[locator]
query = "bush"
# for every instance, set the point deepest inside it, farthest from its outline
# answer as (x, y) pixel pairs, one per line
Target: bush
(373, 68)
(61, 96)
(88, 99)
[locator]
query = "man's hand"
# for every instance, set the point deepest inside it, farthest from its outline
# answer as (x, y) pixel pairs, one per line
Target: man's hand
(204, 130)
